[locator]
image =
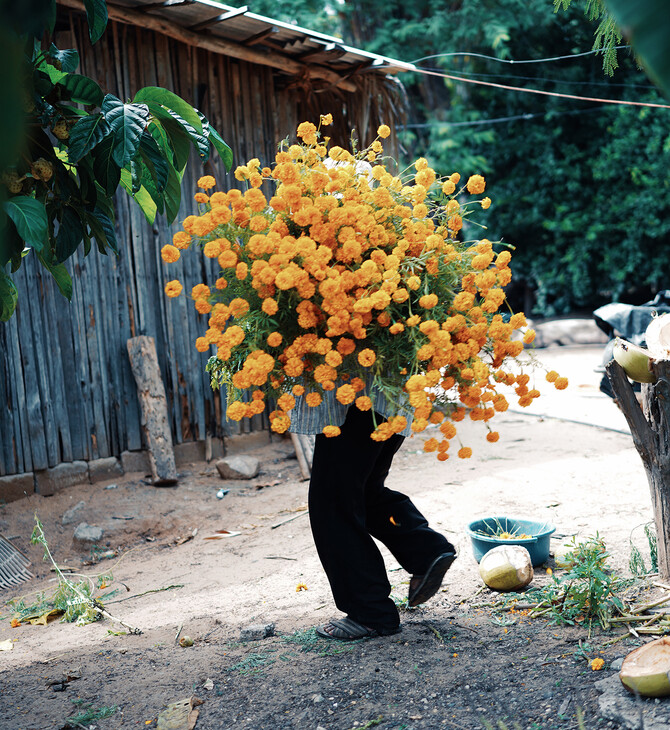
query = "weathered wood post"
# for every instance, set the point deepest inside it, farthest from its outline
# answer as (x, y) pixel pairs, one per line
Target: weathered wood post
(650, 428)
(153, 404)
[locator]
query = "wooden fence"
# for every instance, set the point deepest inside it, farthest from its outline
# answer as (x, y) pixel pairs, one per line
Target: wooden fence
(66, 388)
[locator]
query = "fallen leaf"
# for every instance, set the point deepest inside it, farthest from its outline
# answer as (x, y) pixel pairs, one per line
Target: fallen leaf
(220, 534)
(6, 645)
(181, 715)
(208, 684)
(44, 619)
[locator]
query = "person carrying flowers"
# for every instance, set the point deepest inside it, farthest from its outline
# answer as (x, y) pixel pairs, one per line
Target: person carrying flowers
(348, 307)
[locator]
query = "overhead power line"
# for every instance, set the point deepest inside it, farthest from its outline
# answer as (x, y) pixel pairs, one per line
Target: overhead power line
(512, 61)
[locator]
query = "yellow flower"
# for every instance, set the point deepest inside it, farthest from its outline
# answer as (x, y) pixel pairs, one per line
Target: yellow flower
(169, 253)
(475, 184)
(486, 203)
(561, 383)
(331, 431)
(173, 288)
(383, 131)
(206, 182)
(465, 452)
(326, 119)
(366, 357)
(300, 587)
(597, 664)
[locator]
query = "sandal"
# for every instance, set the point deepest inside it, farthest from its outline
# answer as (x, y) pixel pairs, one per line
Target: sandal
(346, 629)
(423, 587)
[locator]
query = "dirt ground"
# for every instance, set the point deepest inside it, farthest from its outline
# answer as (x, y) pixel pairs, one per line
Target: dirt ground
(456, 664)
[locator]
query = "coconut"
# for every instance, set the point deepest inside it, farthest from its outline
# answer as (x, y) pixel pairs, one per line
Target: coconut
(634, 360)
(645, 670)
(560, 556)
(657, 336)
(506, 568)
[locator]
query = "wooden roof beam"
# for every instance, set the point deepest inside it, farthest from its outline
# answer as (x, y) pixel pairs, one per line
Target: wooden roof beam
(252, 40)
(219, 18)
(212, 43)
(166, 4)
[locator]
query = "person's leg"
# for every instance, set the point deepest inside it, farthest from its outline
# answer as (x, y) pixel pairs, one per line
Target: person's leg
(355, 568)
(393, 519)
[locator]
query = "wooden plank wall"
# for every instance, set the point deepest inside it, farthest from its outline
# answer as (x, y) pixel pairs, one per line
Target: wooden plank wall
(66, 389)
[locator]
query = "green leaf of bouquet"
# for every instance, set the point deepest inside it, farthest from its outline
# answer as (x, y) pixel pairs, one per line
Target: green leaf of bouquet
(30, 219)
(170, 100)
(8, 296)
(225, 153)
(82, 89)
(127, 122)
(85, 135)
(96, 14)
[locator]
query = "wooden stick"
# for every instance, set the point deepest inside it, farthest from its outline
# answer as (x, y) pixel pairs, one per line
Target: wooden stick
(288, 519)
(217, 45)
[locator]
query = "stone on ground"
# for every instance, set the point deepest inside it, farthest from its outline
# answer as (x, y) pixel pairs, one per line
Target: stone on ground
(238, 467)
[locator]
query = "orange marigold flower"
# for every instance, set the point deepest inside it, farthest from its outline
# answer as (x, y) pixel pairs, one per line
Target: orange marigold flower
(448, 187)
(552, 376)
(201, 344)
(428, 301)
(331, 431)
(529, 336)
(486, 203)
(181, 239)
(492, 436)
(241, 271)
(326, 119)
(431, 445)
(298, 390)
(383, 131)
(363, 403)
(345, 394)
(597, 664)
(15, 623)
(201, 198)
(366, 357)
(313, 399)
(206, 182)
(396, 328)
(465, 452)
(307, 132)
(274, 339)
(561, 383)
(173, 288)
(269, 306)
(286, 402)
(212, 248)
(169, 253)
(475, 184)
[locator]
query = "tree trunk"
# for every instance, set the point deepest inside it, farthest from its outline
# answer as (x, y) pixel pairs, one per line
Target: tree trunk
(155, 422)
(650, 428)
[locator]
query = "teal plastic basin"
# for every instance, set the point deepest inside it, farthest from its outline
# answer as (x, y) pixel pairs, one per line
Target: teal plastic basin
(483, 536)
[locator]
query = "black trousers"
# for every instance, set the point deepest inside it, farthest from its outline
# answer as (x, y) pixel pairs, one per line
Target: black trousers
(349, 505)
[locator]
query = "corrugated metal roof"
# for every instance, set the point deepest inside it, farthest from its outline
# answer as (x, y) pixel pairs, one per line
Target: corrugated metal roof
(257, 32)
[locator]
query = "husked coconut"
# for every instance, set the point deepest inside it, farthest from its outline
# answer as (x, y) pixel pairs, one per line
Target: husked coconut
(657, 336)
(636, 361)
(506, 568)
(645, 670)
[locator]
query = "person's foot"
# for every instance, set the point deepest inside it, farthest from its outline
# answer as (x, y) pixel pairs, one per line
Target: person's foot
(424, 587)
(346, 629)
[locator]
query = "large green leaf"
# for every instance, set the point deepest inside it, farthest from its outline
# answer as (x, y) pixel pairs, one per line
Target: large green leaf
(154, 159)
(172, 195)
(107, 172)
(60, 275)
(85, 135)
(646, 24)
(106, 225)
(96, 14)
(222, 148)
(68, 59)
(55, 75)
(170, 100)
(141, 197)
(8, 296)
(127, 122)
(82, 89)
(30, 219)
(70, 234)
(179, 137)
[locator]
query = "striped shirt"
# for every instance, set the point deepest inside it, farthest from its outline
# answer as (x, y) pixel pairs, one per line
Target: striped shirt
(312, 419)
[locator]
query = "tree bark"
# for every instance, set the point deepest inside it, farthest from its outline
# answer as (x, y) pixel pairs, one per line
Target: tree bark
(153, 405)
(650, 428)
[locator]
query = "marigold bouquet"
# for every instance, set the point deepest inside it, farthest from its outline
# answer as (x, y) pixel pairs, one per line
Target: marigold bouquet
(352, 279)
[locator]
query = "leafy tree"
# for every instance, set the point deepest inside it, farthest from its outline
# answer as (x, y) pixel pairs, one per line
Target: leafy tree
(69, 146)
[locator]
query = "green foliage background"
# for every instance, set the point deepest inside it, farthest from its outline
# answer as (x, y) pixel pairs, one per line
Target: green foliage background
(579, 187)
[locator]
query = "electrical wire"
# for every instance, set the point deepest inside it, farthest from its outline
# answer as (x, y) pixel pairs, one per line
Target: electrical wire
(541, 92)
(498, 120)
(512, 61)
